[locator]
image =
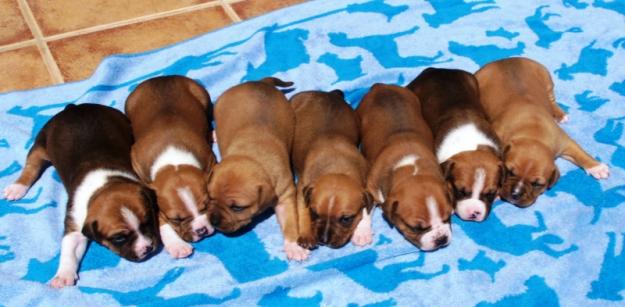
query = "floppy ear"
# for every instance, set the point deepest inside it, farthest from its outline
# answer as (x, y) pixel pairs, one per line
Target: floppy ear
(501, 170)
(150, 196)
(446, 168)
(505, 150)
(555, 175)
(307, 191)
(90, 230)
(389, 211)
(266, 197)
(367, 200)
(137, 167)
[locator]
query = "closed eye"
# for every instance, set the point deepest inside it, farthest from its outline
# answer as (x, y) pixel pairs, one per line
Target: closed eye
(346, 220)
(237, 208)
(461, 193)
(537, 184)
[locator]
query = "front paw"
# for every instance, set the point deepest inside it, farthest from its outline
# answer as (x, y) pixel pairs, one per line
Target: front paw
(15, 191)
(362, 236)
(307, 241)
(179, 249)
(601, 171)
(564, 119)
(295, 252)
(63, 279)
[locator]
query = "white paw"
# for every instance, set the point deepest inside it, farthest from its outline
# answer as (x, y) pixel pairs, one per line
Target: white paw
(63, 279)
(601, 171)
(564, 119)
(15, 191)
(362, 236)
(295, 252)
(179, 249)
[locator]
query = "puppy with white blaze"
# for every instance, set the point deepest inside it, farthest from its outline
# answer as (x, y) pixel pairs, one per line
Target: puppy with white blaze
(465, 144)
(89, 145)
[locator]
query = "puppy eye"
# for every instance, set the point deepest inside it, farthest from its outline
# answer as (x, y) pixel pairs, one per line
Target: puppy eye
(418, 229)
(313, 214)
(510, 172)
(461, 193)
(346, 220)
(537, 185)
(236, 208)
(119, 239)
(490, 196)
(177, 220)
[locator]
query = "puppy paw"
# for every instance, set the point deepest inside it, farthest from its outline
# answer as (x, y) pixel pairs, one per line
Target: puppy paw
(179, 249)
(601, 171)
(362, 236)
(564, 119)
(295, 252)
(15, 191)
(307, 242)
(63, 279)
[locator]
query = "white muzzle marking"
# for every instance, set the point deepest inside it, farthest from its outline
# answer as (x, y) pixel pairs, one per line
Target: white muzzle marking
(438, 228)
(141, 243)
(199, 220)
(473, 209)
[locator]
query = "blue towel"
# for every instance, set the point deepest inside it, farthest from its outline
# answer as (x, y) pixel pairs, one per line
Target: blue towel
(567, 249)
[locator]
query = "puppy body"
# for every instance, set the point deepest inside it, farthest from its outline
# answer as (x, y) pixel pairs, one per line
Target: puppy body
(170, 119)
(517, 95)
(255, 126)
(405, 176)
(466, 145)
(89, 145)
(332, 202)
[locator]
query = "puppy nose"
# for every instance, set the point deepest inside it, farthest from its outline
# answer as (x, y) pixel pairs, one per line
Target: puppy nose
(148, 249)
(441, 241)
(215, 219)
(475, 215)
(201, 231)
(516, 194)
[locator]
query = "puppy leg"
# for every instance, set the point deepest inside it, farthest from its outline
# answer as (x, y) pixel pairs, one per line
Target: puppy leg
(306, 238)
(173, 244)
(286, 214)
(555, 110)
(72, 250)
(35, 163)
(363, 235)
(576, 154)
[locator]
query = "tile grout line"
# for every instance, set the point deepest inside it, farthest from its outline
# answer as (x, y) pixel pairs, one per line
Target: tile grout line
(130, 21)
(48, 59)
(18, 45)
(230, 11)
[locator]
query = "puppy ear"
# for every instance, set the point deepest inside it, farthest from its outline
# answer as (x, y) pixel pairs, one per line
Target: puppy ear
(266, 197)
(501, 170)
(446, 168)
(367, 200)
(555, 175)
(307, 191)
(389, 211)
(90, 230)
(505, 150)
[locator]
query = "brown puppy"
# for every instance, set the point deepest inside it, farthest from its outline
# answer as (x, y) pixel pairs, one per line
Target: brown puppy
(89, 145)
(466, 146)
(405, 176)
(170, 118)
(331, 188)
(517, 95)
(255, 126)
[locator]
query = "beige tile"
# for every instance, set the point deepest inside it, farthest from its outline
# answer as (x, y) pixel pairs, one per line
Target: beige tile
(13, 28)
(58, 16)
(26, 67)
(78, 56)
(250, 8)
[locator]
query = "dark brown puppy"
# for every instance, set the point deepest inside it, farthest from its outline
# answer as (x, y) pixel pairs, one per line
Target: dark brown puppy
(170, 119)
(331, 189)
(405, 176)
(255, 126)
(517, 95)
(466, 146)
(89, 145)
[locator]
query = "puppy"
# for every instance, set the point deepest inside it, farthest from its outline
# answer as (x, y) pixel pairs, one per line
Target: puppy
(465, 144)
(405, 176)
(331, 189)
(170, 119)
(517, 95)
(255, 126)
(89, 145)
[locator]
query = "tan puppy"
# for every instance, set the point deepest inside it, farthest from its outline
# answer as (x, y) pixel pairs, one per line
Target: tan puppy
(255, 126)
(405, 176)
(517, 95)
(466, 146)
(331, 189)
(89, 146)
(170, 119)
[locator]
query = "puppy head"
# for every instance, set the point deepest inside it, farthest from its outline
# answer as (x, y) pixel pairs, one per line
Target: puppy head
(122, 217)
(336, 203)
(239, 190)
(529, 171)
(420, 208)
(474, 178)
(183, 201)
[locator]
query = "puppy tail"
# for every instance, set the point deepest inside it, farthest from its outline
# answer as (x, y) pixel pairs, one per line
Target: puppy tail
(339, 93)
(276, 82)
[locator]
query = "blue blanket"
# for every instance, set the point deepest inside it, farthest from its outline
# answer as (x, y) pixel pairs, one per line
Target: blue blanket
(567, 249)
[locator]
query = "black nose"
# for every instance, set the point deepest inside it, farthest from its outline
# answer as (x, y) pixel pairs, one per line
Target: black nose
(215, 219)
(516, 194)
(202, 231)
(441, 241)
(149, 249)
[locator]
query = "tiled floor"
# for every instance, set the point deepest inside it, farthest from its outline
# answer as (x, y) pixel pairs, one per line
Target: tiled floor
(45, 42)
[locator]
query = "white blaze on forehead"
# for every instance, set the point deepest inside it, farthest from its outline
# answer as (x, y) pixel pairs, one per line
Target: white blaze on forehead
(408, 160)
(173, 156)
(93, 181)
(199, 220)
(473, 209)
(133, 222)
(462, 138)
(432, 205)
(478, 182)
(438, 229)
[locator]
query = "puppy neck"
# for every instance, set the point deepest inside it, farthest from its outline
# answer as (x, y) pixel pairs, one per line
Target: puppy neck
(466, 137)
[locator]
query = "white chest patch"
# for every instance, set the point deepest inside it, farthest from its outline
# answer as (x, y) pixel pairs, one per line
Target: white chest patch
(173, 156)
(93, 181)
(462, 138)
(408, 160)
